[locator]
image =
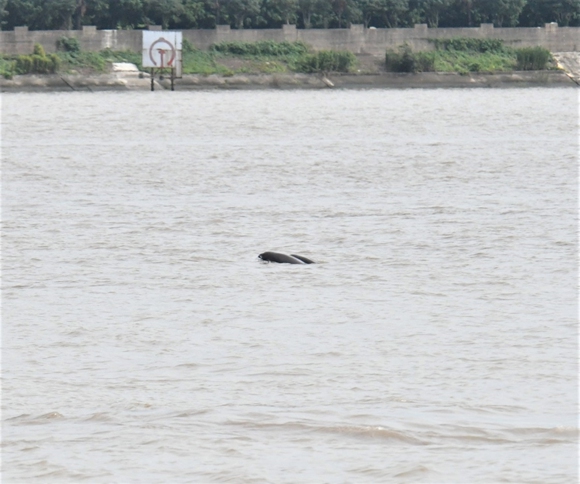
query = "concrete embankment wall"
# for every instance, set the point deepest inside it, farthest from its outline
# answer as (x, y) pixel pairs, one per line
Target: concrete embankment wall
(356, 39)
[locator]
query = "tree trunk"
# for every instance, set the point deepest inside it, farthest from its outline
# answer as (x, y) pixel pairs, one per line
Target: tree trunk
(79, 14)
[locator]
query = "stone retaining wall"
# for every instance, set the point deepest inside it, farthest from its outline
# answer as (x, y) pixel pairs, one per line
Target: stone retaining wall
(142, 82)
(356, 39)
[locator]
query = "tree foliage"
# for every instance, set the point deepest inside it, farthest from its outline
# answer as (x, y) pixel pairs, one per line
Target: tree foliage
(239, 14)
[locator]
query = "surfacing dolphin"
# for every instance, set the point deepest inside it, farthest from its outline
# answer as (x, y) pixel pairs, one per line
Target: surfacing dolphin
(284, 259)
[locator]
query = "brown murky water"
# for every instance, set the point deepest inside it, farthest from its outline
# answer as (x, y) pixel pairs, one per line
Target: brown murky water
(434, 341)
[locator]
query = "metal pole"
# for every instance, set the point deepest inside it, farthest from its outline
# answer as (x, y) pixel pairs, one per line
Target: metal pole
(172, 78)
(152, 79)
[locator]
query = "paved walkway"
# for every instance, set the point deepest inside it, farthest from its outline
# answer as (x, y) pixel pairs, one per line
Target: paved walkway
(570, 62)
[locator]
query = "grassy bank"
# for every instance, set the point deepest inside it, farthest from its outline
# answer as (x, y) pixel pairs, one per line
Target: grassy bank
(69, 60)
(227, 59)
(459, 55)
(465, 55)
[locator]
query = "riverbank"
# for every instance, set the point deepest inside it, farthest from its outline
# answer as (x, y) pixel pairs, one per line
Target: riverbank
(141, 81)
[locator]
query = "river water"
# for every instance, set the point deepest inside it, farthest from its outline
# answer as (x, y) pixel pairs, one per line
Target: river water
(434, 341)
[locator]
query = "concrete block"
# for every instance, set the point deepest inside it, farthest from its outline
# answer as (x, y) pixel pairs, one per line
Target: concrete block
(124, 67)
(289, 33)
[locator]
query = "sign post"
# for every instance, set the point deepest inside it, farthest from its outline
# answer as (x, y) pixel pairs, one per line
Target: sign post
(162, 50)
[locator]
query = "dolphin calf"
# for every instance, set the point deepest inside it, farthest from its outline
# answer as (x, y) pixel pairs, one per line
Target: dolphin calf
(284, 259)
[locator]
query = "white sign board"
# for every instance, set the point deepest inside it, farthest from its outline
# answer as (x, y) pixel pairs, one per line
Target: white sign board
(162, 50)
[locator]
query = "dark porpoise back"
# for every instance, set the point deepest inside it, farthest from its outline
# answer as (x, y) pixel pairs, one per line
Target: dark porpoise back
(283, 258)
(303, 259)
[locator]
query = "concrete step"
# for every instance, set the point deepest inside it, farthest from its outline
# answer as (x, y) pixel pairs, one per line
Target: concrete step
(569, 62)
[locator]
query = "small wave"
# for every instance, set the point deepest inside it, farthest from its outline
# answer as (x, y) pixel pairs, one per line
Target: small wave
(186, 414)
(50, 416)
(477, 435)
(27, 419)
(554, 435)
(188, 365)
(99, 417)
(64, 474)
(414, 472)
(358, 431)
(18, 417)
(373, 432)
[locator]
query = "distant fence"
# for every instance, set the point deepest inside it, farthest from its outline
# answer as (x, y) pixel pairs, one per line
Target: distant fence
(356, 39)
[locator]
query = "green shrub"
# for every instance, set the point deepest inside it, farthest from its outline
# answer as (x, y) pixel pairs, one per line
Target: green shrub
(261, 48)
(68, 44)
(7, 67)
(40, 64)
(23, 64)
(39, 50)
(474, 66)
(187, 47)
(468, 44)
(54, 62)
(425, 61)
(37, 64)
(405, 60)
(532, 58)
(326, 61)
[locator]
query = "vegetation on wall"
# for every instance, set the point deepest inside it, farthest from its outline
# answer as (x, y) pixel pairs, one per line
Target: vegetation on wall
(326, 61)
(63, 61)
(465, 55)
(405, 60)
(270, 56)
(532, 58)
(261, 48)
(239, 14)
(36, 63)
(226, 58)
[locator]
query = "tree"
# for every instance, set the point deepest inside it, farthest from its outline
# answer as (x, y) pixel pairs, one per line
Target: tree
(368, 11)
(531, 15)
(80, 10)
(39, 14)
(194, 14)
(279, 11)
(565, 12)
(163, 12)
(3, 13)
(502, 13)
(338, 8)
(322, 15)
(346, 12)
(18, 12)
(430, 10)
(121, 14)
(213, 9)
(58, 14)
(392, 11)
(459, 14)
(314, 11)
(240, 10)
